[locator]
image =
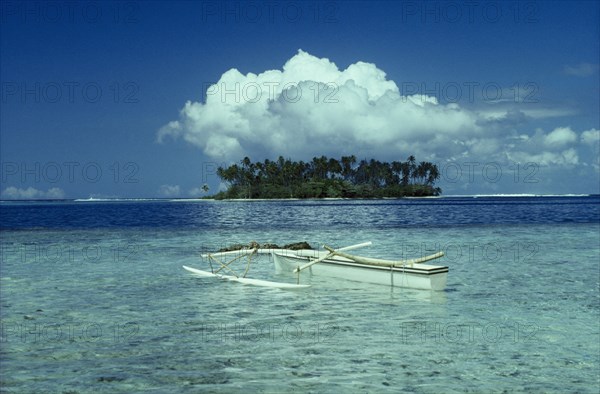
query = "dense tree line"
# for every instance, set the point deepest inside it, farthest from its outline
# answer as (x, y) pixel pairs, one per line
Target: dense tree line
(328, 177)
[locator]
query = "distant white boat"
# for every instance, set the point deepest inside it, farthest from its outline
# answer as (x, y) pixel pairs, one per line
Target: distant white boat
(86, 199)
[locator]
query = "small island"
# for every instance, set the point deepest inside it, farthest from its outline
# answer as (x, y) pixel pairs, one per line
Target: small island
(328, 178)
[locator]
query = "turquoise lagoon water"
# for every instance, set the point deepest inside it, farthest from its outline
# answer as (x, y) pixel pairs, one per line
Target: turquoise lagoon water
(94, 299)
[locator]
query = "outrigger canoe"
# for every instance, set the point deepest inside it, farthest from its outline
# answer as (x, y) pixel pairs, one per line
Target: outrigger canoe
(335, 263)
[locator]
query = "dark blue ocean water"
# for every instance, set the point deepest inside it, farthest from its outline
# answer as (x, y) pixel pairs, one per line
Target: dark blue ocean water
(93, 298)
(457, 211)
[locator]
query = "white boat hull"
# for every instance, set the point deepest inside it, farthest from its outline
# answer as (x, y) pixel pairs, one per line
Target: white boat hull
(419, 276)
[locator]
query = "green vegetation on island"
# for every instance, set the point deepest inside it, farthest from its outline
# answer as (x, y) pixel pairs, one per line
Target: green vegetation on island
(328, 178)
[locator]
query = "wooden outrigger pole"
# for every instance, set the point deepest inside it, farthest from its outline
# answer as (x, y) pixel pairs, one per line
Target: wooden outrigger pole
(368, 260)
(331, 254)
(387, 263)
(226, 265)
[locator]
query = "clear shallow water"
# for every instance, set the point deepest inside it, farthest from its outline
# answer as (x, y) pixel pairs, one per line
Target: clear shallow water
(94, 298)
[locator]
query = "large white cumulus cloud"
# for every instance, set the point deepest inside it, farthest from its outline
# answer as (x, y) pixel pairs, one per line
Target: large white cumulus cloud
(311, 107)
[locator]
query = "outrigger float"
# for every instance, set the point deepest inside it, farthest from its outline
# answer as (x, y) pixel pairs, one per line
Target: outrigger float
(410, 273)
(239, 277)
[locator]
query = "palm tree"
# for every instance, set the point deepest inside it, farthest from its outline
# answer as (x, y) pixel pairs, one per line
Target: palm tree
(412, 168)
(396, 172)
(347, 166)
(334, 168)
(405, 173)
(434, 174)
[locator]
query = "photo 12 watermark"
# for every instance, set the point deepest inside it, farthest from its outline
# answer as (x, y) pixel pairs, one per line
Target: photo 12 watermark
(469, 92)
(289, 92)
(32, 331)
(267, 12)
(450, 171)
(69, 92)
(70, 12)
(473, 252)
(69, 172)
(470, 12)
(41, 254)
(268, 332)
(432, 332)
(488, 172)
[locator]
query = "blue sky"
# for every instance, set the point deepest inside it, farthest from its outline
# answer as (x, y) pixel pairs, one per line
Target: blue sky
(502, 95)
